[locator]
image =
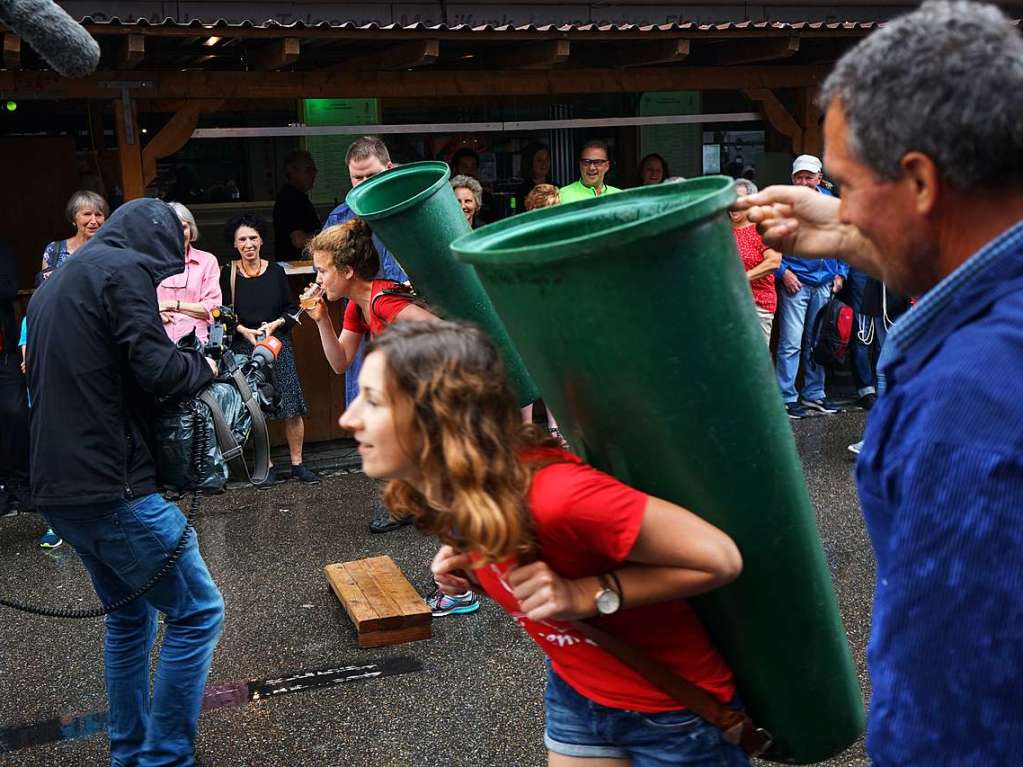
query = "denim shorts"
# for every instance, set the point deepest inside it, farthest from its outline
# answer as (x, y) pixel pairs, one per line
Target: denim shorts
(577, 726)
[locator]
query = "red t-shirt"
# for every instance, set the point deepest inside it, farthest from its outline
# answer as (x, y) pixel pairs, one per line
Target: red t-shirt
(751, 249)
(383, 310)
(586, 523)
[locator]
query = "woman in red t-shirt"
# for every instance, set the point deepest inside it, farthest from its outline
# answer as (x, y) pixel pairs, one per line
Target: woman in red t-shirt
(758, 260)
(551, 540)
(347, 263)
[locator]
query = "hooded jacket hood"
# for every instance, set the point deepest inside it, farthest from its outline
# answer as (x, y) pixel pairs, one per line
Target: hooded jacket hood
(150, 230)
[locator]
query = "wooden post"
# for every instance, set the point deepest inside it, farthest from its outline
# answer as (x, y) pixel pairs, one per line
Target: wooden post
(129, 151)
(808, 116)
(173, 135)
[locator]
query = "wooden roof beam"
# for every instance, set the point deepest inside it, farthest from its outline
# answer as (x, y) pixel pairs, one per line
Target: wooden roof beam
(755, 51)
(426, 83)
(132, 50)
(277, 54)
(777, 115)
(174, 135)
(648, 54)
(541, 55)
(417, 53)
(12, 51)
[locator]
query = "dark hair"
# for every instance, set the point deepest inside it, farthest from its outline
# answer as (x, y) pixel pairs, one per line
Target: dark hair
(664, 165)
(250, 220)
(350, 245)
(528, 153)
(365, 147)
(464, 152)
(596, 144)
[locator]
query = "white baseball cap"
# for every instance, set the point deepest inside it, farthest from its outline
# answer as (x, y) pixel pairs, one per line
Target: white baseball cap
(807, 162)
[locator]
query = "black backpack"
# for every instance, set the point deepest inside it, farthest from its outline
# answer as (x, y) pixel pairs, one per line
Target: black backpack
(832, 332)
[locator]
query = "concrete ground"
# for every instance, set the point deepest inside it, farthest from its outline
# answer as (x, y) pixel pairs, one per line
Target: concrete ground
(472, 695)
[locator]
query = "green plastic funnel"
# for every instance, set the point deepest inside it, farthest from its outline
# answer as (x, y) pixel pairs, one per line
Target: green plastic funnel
(414, 211)
(635, 316)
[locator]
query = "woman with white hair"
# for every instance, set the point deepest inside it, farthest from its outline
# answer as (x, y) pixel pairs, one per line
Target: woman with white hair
(470, 197)
(187, 299)
(86, 211)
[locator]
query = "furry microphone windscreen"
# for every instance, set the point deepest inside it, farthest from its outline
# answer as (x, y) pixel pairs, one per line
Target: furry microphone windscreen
(58, 38)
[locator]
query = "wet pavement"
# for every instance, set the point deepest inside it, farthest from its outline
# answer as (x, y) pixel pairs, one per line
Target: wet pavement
(471, 695)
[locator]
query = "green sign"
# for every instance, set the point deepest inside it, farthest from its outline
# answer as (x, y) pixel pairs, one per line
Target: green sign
(333, 182)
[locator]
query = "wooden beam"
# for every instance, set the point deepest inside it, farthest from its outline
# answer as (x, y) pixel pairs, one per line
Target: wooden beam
(808, 116)
(173, 135)
(542, 55)
(128, 150)
(12, 51)
(648, 54)
(428, 83)
(754, 51)
(779, 118)
(418, 53)
(132, 51)
(276, 55)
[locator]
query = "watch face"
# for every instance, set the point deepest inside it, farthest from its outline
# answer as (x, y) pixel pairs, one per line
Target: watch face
(608, 602)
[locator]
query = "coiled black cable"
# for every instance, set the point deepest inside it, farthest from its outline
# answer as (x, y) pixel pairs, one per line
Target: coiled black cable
(200, 441)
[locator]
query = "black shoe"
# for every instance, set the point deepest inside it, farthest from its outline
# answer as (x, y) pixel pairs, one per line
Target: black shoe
(266, 484)
(866, 401)
(302, 474)
(387, 524)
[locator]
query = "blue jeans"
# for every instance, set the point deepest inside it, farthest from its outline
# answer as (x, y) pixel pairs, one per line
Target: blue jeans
(859, 352)
(796, 313)
(122, 544)
(577, 726)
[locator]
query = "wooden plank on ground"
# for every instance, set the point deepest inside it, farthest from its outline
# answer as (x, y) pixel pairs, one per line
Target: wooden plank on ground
(410, 604)
(380, 601)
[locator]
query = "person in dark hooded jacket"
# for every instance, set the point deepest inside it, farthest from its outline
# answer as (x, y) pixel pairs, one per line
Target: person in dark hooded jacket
(98, 363)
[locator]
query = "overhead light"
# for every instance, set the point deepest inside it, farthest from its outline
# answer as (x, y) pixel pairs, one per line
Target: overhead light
(469, 56)
(210, 41)
(145, 130)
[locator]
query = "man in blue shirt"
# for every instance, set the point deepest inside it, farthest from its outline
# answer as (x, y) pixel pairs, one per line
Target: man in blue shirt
(923, 132)
(365, 158)
(806, 286)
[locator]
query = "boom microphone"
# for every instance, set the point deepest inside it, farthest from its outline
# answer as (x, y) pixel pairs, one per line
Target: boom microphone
(58, 38)
(266, 351)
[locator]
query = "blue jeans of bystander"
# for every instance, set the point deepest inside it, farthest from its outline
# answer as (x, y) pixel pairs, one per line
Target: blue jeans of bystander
(796, 313)
(121, 545)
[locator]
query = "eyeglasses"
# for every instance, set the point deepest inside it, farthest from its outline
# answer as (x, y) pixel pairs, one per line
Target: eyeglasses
(592, 163)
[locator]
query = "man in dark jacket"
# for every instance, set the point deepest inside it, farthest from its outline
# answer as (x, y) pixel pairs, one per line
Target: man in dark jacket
(98, 360)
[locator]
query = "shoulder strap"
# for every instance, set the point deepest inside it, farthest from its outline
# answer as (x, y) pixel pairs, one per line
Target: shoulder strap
(229, 447)
(234, 280)
(736, 726)
(395, 290)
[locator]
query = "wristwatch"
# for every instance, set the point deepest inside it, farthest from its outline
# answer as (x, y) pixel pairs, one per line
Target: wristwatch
(609, 598)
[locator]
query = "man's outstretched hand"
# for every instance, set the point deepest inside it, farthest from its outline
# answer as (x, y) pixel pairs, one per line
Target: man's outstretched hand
(796, 220)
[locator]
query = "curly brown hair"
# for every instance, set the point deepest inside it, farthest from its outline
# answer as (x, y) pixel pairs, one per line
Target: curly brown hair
(350, 245)
(447, 384)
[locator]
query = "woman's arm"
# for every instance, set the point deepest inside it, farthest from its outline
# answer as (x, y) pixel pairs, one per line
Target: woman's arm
(676, 555)
(772, 260)
(339, 350)
(415, 313)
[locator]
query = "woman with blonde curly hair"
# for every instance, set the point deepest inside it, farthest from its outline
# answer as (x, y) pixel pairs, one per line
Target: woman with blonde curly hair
(552, 541)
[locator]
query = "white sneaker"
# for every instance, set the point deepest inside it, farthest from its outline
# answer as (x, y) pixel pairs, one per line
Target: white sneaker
(856, 447)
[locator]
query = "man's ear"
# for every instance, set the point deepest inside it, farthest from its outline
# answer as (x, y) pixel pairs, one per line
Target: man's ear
(922, 179)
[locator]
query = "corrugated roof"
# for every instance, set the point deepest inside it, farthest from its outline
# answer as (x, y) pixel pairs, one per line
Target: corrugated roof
(688, 26)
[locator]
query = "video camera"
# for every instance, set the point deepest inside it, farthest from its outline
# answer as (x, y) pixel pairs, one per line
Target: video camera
(225, 321)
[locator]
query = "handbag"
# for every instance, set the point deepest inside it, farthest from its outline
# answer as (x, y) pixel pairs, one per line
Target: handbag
(736, 726)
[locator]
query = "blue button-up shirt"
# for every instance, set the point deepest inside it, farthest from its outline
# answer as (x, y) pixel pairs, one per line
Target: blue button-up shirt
(941, 483)
(390, 269)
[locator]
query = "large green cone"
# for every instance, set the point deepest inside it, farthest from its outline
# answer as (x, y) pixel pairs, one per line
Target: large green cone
(635, 317)
(413, 210)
